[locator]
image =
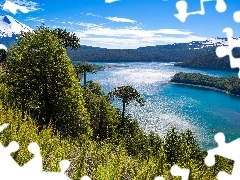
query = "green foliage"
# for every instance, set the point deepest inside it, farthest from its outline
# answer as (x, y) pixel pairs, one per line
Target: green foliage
(103, 116)
(228, 84)
(126, 94)
(83, 68)
(107, 160)
(39, 88)
(210, 61)
(69, 39)
(41, 81)
(25, 131)
(161, 53)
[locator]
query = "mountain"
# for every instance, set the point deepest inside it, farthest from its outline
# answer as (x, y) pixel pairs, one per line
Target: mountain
(10, 28)
(177, 52)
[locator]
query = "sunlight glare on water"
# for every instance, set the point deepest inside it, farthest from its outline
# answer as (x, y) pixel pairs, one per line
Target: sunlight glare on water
(166, 105)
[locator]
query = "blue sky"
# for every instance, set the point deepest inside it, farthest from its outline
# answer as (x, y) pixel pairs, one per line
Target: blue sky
(127, 23)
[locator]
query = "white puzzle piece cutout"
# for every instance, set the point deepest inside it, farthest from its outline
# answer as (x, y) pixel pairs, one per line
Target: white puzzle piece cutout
(224, 51)
(228, 150)
(236, 16)
(182, 7)
(33, 169)
(177, 171)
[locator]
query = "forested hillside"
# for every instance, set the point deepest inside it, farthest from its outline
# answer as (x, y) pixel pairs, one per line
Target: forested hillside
(167, 53)
(210, 61)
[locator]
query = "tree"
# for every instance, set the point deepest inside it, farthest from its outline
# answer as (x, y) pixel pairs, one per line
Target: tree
(103, 116)
(126, 94)
(83, 68)
(3, 55)
(42, 81)
(69, 39)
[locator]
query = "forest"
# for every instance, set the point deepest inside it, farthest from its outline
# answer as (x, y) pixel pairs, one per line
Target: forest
(44, 101)
(210, 61)
(229, 84)
(167, 53)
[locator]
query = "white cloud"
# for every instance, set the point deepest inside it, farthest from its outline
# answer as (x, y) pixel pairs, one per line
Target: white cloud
(174, 31)
(35, 19)
(88, 25)
(110, 1)
(91, 14)
(21, 5)
(133, 37)
(117, 19)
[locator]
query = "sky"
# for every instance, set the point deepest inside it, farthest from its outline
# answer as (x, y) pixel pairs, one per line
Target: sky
(125, 24)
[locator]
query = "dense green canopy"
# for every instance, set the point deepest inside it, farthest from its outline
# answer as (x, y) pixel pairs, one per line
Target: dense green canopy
(43, 83)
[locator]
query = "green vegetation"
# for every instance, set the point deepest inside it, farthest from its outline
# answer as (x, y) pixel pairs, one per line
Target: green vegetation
(41, 81)
(229, 84)
(126, 94)
(210, 61)
(167, 53)
(83, 68)
(42, 100)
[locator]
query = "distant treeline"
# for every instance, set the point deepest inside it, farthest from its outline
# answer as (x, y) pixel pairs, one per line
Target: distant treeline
(228, 84)
(210, 61)
(167, 53)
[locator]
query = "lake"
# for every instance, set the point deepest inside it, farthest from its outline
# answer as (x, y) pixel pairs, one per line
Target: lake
(204, 111)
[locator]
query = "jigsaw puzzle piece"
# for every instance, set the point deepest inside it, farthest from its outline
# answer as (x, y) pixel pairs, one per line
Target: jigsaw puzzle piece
(182, 7)
(158, 178)
(221, 6)
(177, 171)
(7, 164)
(88, 178)
(221, 51)
(236, 16)
(35, 164)
(228, 150)
(223, 176)
(182, 15)
(2, 127)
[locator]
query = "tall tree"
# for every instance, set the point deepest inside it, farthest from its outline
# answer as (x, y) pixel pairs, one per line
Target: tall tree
(69, 39)
(126, 94)
(3, 55)
(83, 68)
(104, 117)
(42, 81)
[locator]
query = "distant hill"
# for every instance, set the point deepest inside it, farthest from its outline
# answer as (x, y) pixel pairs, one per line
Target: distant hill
(210, 61)
(169, 53)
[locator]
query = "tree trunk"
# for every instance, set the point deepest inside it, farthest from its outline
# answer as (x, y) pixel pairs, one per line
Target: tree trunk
(123, 112)
(85, 78)
(101, 122)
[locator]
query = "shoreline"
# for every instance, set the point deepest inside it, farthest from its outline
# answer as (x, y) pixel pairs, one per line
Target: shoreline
(200, 86)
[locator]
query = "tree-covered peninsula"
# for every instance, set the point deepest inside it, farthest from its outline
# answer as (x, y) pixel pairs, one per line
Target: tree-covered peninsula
(230, 85)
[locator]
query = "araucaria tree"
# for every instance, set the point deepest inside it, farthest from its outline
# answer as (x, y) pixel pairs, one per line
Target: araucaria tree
(126, 94)
(83, 68)
(42, 82)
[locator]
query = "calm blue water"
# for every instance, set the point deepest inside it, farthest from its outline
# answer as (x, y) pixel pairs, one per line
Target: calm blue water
(201, 110)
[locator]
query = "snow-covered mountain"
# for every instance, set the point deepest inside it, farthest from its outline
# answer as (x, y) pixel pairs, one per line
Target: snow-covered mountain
(10, 26)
